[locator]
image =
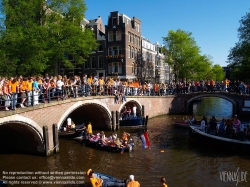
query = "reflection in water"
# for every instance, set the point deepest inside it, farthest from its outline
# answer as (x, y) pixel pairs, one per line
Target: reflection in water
(170, 156)
(213, 106)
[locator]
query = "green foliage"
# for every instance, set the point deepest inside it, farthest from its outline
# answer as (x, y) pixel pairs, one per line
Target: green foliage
(38, 34)
(239, 56)
(183, 55)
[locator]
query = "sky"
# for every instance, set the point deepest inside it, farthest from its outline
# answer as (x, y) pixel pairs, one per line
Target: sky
(213, 23)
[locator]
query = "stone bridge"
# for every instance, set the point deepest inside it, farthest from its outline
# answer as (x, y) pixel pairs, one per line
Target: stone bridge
(35, 129)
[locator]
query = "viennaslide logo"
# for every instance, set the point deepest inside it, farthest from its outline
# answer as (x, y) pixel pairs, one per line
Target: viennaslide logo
(236, 176)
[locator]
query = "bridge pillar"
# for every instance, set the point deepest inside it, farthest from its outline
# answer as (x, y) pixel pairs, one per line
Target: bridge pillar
(55, 138)
(143, 111)
(46, 140)
(117, 119)
(113, 121)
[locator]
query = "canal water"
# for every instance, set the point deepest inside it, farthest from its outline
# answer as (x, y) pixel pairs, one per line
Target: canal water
(171, 156)
(213, 106)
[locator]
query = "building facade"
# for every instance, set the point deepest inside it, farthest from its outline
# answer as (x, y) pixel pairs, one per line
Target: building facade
(96, 64)
(148, 60)
(123, 46)
(122, 52)
(162, 69)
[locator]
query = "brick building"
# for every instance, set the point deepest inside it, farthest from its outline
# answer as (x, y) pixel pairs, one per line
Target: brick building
(123, 42)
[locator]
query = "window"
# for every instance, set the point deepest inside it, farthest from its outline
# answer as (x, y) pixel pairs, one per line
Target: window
(100, 47)
(100, 62)
(131, 38)
(132, 52)
(115, 67)
(110, 51)
(118, 35)
(110, 36)
(114, 21)
(93, 62)
(129, 35)
(137, 27)
(135, 53)
(115, 50)
(129, 51)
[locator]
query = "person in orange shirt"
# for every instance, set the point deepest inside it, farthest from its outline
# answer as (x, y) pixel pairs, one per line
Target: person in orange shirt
(132, 182)
(29, 89)
(13, 85)
(101, 86)
(227, 84)
(163, 182)
(125, 136)
(212, 84)
(23, 88)
(96, 182)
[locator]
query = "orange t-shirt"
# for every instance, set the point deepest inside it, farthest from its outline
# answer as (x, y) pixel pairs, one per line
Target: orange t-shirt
(133, 184)
(13, 86)
(29, 85)
(24, 85)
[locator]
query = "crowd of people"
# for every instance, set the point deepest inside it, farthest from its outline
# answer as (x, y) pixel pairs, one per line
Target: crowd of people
(112, 140)
(226, 128)
(29, 91)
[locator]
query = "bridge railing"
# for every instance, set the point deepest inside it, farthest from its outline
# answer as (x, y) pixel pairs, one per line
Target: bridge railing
(32, 98)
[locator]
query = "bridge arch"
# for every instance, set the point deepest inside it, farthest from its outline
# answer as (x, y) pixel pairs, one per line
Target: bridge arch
(88, 110)
(130, 103)
(190, 101)
(19, 134)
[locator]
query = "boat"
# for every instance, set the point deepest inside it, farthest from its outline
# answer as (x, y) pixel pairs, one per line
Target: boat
(199, 137)
(185, 123)
(132, 122)
(71, 133)
(108, 180)
(3, 183)
(96, 143)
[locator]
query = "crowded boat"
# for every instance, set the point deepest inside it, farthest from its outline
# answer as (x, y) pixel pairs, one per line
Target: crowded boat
(111, 143)
(227, 133)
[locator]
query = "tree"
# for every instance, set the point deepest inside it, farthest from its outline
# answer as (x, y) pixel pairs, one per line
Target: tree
(184, 56)
(39, 34)
(182, 52)
(239, 56)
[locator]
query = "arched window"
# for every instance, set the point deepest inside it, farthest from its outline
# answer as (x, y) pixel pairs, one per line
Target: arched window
(132, 52)
(129, 51)
(133, 67)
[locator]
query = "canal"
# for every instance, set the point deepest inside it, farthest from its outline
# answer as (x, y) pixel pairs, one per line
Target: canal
(171, 156)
